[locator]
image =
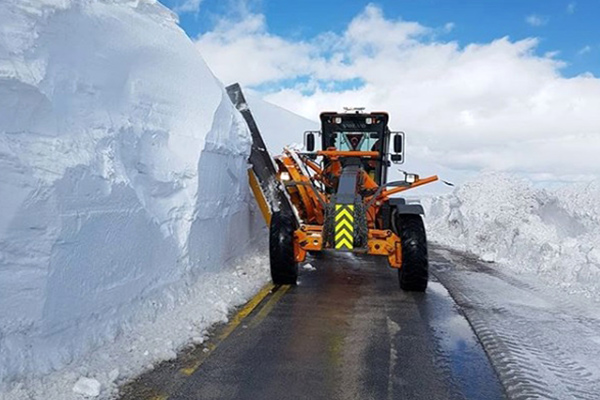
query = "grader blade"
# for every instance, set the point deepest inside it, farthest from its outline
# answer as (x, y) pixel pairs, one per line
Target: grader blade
(263, 178)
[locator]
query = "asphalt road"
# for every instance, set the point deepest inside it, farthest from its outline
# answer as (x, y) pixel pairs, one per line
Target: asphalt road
(345, 332)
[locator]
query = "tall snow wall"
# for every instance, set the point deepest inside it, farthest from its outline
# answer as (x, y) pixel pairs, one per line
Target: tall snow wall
(123, 174)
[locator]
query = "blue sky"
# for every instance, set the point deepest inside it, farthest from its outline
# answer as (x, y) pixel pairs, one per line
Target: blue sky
(568, 27)
(510, 85)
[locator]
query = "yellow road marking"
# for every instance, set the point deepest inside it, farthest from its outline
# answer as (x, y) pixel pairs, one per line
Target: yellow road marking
(159, 397)
(229, 328)
(268, 307)
(190, 370)
(192, 367)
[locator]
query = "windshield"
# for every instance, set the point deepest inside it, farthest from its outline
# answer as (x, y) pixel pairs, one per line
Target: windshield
(357, 141)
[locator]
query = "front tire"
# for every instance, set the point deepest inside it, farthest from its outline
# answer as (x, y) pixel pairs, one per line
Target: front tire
(284, 268)
(414, 274)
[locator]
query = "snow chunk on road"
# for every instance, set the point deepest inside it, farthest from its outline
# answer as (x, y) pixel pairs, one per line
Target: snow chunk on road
(308, 267)
(504, 219)
(87, 387)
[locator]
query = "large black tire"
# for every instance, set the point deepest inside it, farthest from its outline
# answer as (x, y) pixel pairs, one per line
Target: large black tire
(414, 274)
(284, 268)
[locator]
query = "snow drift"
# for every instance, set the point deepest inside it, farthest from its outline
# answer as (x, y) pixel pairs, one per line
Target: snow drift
(501, 218)
(123, 177)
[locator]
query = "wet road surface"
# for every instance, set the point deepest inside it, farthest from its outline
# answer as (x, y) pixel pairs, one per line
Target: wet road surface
(345, 332)
(543, 342)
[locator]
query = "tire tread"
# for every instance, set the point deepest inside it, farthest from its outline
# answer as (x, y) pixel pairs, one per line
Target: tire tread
(284, 269)
(414, 274)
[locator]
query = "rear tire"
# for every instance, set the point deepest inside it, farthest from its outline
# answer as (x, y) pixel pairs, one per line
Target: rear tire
(414, 274)
(284, 268)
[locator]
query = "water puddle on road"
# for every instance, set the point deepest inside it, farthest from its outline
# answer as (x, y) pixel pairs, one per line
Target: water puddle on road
(458, 351)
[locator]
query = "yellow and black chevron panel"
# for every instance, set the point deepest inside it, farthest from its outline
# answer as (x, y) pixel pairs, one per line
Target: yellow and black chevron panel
(344, 226)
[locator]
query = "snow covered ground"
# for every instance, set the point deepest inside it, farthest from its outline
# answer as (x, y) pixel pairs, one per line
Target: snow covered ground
(505, 220)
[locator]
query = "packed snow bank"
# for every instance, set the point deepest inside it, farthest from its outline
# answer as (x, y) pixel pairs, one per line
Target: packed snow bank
(503, 219)
(123, 180)
(279, 127)
(158, 334)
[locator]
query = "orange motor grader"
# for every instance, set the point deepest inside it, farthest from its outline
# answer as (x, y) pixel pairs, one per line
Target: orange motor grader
(338, 198)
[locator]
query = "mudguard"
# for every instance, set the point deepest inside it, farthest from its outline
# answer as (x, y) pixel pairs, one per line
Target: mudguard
(402, 208)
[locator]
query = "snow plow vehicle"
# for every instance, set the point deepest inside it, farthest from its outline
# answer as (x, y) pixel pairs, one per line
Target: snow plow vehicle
(338, 198)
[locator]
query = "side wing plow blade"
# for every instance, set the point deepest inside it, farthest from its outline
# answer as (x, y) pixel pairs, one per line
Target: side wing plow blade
(263, 166)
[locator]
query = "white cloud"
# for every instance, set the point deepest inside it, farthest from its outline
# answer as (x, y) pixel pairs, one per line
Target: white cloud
(449, 27)
(584, 50)
(496, 105)
(537, 20)
(571, 7)
(244, 51)
(186, 6)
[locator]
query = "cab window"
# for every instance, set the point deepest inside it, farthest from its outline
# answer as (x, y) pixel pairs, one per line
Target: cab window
(357, 141)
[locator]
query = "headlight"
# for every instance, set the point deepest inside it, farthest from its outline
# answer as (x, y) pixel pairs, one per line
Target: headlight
(285, 176)
(411, 178)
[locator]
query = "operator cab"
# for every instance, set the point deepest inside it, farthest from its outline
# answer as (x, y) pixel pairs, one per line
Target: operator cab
(358, 131)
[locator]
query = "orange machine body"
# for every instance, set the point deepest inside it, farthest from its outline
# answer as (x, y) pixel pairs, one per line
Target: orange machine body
(310, 186)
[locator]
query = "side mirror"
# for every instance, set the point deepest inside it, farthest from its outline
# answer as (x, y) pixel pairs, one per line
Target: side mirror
(397, 155)
(309, 141)
(398, 145)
